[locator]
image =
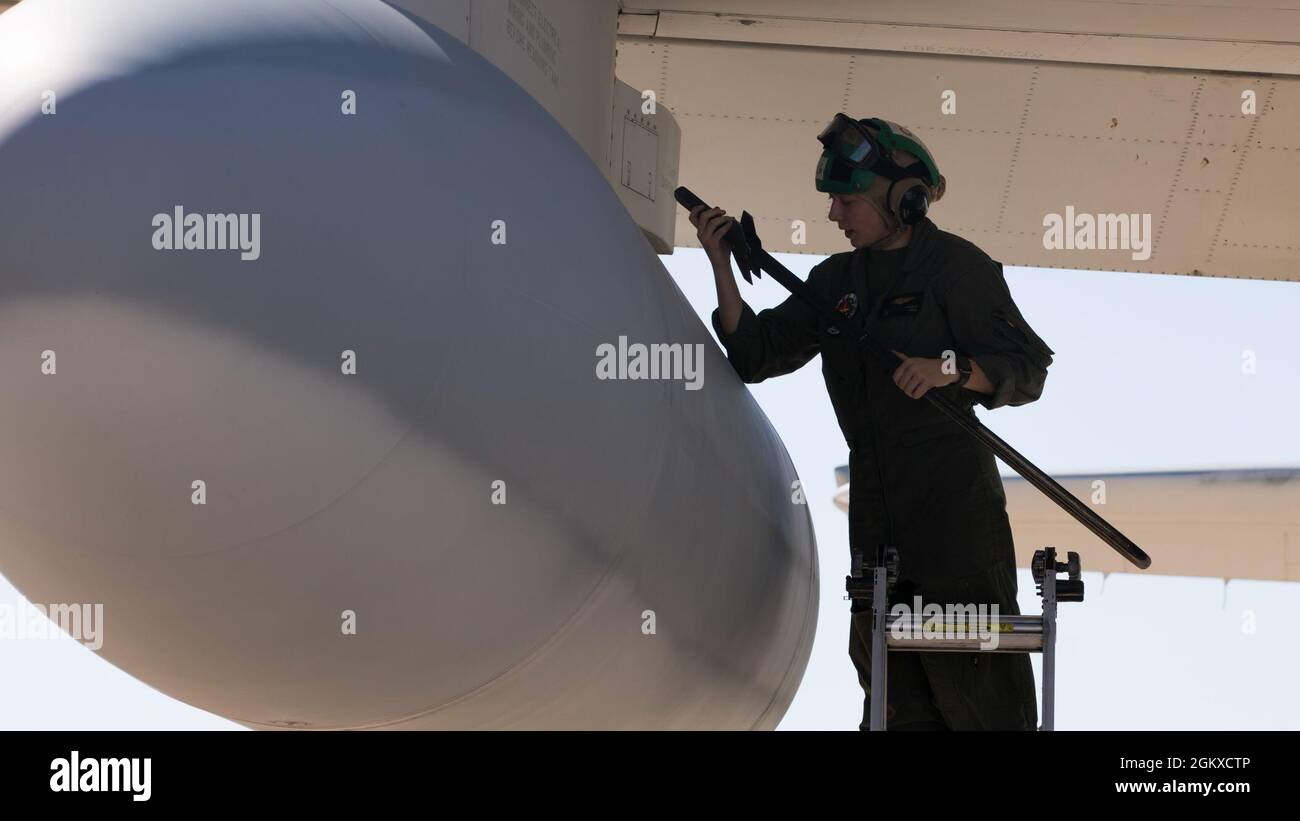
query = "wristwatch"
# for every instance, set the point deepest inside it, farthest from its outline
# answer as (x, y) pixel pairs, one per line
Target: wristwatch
(963, 370)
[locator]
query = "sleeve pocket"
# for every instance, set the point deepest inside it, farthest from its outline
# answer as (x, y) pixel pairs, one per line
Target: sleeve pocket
(1013, 328)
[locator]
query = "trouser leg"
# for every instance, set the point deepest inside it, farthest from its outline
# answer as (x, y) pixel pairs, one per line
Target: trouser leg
(910, 703)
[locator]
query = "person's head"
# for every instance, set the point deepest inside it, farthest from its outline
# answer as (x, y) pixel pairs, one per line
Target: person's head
(884, 188)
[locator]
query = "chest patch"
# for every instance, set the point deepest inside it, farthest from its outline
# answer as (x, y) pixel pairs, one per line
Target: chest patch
(903, 304)
(848, 305)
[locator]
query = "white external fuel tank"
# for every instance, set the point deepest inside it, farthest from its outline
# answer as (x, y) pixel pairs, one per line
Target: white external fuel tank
(306, 314)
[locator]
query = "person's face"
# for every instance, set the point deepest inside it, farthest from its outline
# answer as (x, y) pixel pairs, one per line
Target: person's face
(860, 220)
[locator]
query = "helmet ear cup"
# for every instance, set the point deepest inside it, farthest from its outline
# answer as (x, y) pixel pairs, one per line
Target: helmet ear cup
(909, 200)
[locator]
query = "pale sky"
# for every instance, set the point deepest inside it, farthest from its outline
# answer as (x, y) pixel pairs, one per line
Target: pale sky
(1147, 377)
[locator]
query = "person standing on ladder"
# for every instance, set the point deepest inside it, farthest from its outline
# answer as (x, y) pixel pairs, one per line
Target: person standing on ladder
(917, 482)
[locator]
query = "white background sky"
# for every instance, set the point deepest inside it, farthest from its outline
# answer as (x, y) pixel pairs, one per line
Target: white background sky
(1147, 376)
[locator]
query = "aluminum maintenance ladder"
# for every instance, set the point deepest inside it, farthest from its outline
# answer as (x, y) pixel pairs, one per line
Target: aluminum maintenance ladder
(913, 632)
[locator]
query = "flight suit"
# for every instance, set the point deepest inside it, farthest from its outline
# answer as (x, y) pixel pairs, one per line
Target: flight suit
(918, 481)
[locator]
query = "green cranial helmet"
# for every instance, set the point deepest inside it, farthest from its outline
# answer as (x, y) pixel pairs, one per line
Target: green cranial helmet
(853, 156)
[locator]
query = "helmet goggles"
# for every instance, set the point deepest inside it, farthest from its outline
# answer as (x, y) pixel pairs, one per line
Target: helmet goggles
(852, 156)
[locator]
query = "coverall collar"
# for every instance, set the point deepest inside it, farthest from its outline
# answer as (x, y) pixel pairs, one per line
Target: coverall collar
(919, 247)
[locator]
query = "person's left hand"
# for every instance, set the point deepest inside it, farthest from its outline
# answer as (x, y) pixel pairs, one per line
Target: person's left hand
(917, 375)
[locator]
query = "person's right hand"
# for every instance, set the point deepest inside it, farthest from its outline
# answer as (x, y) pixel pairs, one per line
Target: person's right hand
(710, 226)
